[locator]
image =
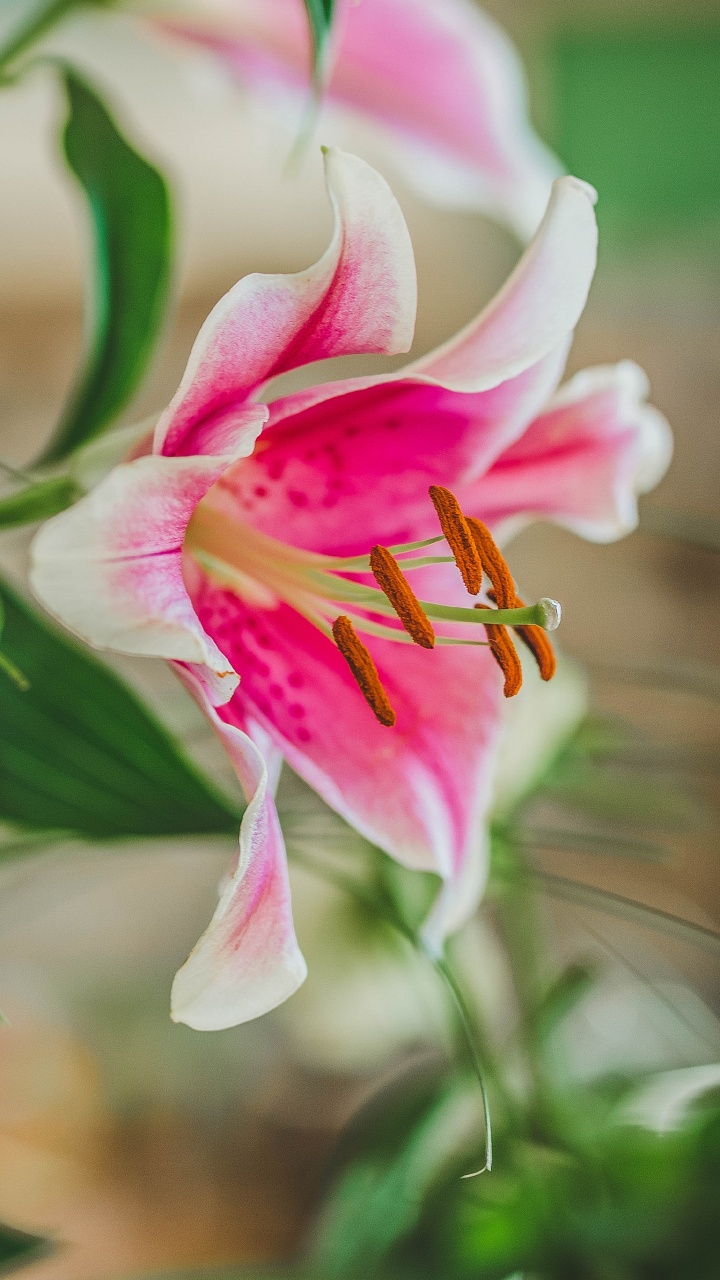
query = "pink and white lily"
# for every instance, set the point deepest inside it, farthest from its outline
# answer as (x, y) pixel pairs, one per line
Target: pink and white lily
(437, 84)
(242, 532)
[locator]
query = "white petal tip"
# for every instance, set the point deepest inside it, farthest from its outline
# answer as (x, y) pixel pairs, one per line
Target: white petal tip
(580, 185)
(221, 1002)
(552, 613)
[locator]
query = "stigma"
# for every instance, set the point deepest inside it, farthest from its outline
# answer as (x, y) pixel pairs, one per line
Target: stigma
(370, 595)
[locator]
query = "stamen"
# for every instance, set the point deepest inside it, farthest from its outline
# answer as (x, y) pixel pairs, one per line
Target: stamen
(493, 562)
(505, 654)
(401, 596)
(363, 669)
(537, 642)
(458, 537)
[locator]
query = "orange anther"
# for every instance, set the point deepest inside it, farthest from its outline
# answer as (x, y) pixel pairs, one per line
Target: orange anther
(363, 669)
(493, 562)
(505, 654)
(401, 596)
(458, 537)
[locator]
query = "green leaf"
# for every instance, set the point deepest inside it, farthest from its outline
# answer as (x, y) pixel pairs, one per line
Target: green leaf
(561, 997)
(407, 1141)
(38, 501)
(17, 1249)
(80, 753)
(320, 15)
(130, 214)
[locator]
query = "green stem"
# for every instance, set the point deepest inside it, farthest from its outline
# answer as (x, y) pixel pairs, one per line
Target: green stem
(382, 907)
(524, 943)
(466, 1024)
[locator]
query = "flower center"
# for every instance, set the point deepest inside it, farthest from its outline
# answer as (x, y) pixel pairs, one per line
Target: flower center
(330, 593)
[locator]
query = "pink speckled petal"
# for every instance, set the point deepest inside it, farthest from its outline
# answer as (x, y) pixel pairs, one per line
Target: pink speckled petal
(417, 790)
(468, 143)
(537, 309)
(110, 568)
(248, 960)
(583, 461)
(341, 469)
(359, 297)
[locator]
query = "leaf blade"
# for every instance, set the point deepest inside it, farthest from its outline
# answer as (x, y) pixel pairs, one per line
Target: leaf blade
(18, 1249)
(80, 752)
(38, 501)
(129, 205)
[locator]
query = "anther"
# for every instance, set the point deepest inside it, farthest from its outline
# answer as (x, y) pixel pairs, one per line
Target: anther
(392, 582)
(458, 537)
(363, 669)
(505, 654)
(493, 562)
(536, 641)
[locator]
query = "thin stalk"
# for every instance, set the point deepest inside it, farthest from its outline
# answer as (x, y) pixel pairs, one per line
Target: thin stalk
(384, 909)
(443, 969)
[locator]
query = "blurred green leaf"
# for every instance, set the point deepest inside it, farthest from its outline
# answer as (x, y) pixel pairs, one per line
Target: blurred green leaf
(130, 213)
(320, 15)
(409, 1138)
(80, 753)
(38, 501)
(589, 895)
(622, 794)
(17, 1249)
(562, 996)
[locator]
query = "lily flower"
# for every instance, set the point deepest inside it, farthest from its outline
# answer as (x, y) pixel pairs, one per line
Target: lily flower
(436, 83)
(266, 549)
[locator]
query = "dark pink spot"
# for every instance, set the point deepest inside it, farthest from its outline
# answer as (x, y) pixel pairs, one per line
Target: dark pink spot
(303, 734)
(297, 497)
(264, 641)
(296, 711)
(276, 691)
(295, 680)
(263, 669)
(260, 491)
(275, 468)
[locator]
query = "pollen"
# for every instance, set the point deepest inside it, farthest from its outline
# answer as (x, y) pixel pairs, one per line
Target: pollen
(458, 536)
(363, 669)
(505, 654)
(493, 562)
(393, 583)
(536, 641)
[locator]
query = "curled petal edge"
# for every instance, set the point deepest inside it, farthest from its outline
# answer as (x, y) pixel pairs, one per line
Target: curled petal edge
(247, 961)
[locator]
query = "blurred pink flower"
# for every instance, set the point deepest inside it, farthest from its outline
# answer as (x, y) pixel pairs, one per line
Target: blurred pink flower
(231, 552)
(440, 79)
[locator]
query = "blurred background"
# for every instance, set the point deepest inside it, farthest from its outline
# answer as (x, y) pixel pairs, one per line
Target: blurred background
(143, 1145)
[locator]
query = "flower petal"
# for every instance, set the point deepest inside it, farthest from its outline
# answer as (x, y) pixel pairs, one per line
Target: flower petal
(583, 461)
(359, 297)
(248, 960)
(418, 790)
(353, 467)
(110, 568)
(467, 144)
(536, 311)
